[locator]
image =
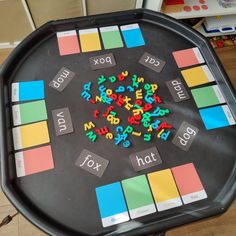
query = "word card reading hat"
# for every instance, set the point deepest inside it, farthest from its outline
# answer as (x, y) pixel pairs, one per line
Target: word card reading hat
(68, 42)
(34, 161)
(26, 91)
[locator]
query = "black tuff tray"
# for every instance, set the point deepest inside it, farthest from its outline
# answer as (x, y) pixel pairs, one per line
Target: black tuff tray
(62, 201)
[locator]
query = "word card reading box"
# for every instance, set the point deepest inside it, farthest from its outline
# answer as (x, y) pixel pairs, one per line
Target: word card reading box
(34, 161)
(132, 35)
(68, 42)
(207, 96)
(189, 183)
(89, 40)
(164, 190)
(217, 117)
(26, 91)
(111, 37)
(188, 57)
(30, 135)
(29, 112)
(197, 76)
(138, 196)
(111, 203)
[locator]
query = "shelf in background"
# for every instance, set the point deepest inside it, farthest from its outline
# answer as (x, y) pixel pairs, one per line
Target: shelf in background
(214, 9)
(203, 32)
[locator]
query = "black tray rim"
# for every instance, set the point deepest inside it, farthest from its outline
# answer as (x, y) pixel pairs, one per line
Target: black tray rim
(221, 204)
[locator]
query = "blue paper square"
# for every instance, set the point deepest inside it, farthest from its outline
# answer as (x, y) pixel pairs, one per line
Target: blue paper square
(31, 90)
(214, 117)
(133, 36)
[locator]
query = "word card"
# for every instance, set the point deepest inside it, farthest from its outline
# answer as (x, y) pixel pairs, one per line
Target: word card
(89, 40)
(197, 76)
(132, 35)
(164, 190)
(29, 112)
(217, 117)
(177, 90)
(145, 159)
(188, 57)
(68, 42)
(152, 62)
(207, 96)
(103, 61)
(189, 183)
(62, 121)
(30, 135)
(185, 136)
(92, 163)
(26, 91)
(111, 204)
(111, 37)
(138, 196)
(34, 161)
(62, 79)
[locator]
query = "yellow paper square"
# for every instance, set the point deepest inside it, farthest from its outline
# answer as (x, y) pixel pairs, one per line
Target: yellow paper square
(34, 134)
(90, 42)
(197, 76)
(163, 185)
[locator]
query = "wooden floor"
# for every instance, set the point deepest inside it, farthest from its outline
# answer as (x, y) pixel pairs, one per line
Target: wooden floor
(216, 226)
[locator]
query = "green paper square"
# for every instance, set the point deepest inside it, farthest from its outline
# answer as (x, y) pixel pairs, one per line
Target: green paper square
(137, 192)
(33, 111)
(205, 96)
(112, 39)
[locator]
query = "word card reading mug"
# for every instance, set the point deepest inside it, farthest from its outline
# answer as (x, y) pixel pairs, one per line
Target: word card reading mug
(62, 79)
(185, 136)
(62, 121)
(145, 159)
(92, 163)
(103, 61)
(111, 203)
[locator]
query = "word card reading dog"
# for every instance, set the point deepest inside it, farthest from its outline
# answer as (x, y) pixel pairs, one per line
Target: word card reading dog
(103, 61)
(92, 163)
(62, 121)
(185, 136)
(145, 159)
(62, 79)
